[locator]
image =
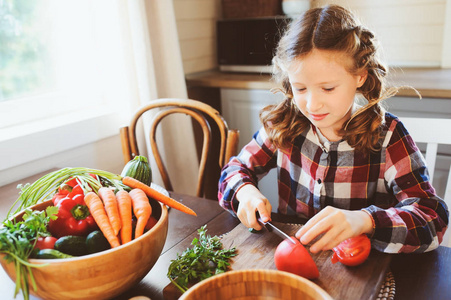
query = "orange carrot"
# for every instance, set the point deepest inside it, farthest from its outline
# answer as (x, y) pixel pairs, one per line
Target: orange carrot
(125, 211)
(141, 209)
(152, 193)
(98, 212)
(110, 202)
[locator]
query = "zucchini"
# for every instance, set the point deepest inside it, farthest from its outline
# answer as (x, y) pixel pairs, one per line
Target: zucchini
(96, 242)
(72, 245)
(138, 168)
(51, 254)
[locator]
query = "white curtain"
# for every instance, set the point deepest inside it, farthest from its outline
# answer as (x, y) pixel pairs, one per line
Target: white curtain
(155, 70)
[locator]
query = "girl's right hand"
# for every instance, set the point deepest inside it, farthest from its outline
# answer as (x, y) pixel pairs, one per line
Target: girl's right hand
(252, 201)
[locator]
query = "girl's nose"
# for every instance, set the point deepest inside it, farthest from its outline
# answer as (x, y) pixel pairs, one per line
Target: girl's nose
(313, 102)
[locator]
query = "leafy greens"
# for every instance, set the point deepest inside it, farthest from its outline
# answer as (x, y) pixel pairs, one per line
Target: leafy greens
(205, 259)
(17, 240)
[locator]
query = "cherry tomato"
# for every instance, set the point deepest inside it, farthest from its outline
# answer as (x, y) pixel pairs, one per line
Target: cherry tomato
(294, 258)
(353, 251)
(47, 242)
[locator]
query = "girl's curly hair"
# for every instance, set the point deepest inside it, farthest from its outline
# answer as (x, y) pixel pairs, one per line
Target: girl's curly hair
(330, 28)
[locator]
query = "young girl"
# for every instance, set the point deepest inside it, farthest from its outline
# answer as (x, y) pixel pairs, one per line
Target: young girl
(350, 169)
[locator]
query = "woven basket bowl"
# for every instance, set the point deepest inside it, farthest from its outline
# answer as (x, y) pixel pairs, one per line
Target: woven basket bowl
(100, 275)
(255, 284)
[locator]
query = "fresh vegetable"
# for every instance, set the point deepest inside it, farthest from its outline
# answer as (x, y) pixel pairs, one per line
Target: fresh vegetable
(139, 169)
(353, 251)
(151, 223)
(45, 242)
(109, 200)
(99, 214)
(141, 209)
(96, 242)
(154, 194)
(17, 241)
(125, 211)
(205, 259)
(60, 195)
(72, 245)
(74, 217)
(51, 254)
(49, 184)
(294, 258)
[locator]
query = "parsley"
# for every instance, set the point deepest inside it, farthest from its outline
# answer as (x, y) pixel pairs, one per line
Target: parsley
(205, 259)
(17, 240)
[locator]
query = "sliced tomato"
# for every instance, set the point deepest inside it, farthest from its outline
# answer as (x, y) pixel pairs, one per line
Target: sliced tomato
(292, 256)
(353, 251)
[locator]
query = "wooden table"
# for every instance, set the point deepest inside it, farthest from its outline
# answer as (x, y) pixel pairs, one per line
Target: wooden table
(424, 276)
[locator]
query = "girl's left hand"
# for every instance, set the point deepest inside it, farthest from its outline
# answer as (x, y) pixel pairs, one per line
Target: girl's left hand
(335, 225)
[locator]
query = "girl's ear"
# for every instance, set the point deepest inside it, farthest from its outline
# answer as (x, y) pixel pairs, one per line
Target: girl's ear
(361, 78)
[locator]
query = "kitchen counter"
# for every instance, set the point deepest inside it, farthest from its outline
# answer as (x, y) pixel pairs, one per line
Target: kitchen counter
(430, 82)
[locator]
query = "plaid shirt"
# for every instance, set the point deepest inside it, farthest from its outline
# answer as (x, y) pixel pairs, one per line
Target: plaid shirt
(392, 185)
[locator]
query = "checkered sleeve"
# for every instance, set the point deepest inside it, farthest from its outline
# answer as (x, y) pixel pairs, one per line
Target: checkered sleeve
(419, 220)
(253, 162)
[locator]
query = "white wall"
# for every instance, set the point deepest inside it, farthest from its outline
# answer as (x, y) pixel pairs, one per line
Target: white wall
(196, 26)
(411, 32)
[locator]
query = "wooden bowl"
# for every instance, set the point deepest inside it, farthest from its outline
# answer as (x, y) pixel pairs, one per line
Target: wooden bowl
(255, 284)
(100, 275)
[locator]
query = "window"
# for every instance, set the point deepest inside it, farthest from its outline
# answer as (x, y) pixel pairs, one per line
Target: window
(61, 73)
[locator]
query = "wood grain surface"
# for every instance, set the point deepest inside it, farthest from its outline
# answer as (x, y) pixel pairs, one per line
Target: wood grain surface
(256, 251)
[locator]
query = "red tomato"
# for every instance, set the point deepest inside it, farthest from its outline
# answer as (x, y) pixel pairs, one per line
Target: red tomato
(151, 223)
(47, 242)
(294, 258)
(353, 251)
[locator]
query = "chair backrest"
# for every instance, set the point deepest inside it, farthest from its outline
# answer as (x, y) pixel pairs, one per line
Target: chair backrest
(204, 114)
(432, 132)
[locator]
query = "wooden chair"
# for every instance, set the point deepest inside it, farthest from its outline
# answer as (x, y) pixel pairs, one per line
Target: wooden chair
(204, 115)
(433, 132)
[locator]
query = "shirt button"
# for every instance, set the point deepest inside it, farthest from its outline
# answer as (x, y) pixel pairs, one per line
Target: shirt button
(319, 181)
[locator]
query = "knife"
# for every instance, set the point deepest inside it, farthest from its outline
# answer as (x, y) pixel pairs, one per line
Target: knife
(272, 228)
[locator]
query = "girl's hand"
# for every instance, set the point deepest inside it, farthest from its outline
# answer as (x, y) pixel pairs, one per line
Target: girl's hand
(252, 201)
(335, 225)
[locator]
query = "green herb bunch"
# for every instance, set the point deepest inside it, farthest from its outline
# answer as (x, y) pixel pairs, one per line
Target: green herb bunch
(205, 259)
(17, 240)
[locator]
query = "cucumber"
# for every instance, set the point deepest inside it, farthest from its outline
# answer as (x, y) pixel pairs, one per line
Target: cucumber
(96, 242)
(72, 245)
(51, 254)
(139, 169)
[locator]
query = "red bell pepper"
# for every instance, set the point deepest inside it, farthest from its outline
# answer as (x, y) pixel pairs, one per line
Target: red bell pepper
(73, 217)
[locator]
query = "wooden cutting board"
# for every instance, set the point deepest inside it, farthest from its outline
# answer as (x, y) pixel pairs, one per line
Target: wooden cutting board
(256, 251)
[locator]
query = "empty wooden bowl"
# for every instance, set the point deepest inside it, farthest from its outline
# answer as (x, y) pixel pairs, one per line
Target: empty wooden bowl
(255, 284)
(100, 275)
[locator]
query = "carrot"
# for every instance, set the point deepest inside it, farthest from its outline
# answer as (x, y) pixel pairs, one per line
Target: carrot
(141, 209)
(110, 202)
(98, 212)
(152, 193)
(125, 211)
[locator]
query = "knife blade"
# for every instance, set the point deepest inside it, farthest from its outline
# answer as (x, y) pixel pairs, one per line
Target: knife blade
(272, 228)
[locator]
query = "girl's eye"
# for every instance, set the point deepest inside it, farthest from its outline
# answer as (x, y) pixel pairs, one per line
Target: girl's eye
(328, 89)
(300, 90)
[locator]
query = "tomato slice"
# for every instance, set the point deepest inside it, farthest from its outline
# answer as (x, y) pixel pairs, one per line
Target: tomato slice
(294, 258)
(353, 251)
